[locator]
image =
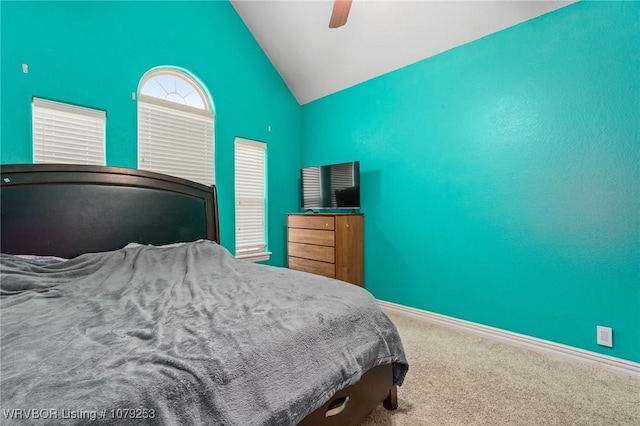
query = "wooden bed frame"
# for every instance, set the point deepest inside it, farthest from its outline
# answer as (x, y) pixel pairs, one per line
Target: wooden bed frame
(66, 210)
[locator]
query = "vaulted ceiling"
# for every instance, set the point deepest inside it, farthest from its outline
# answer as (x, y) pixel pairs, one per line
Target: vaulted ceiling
(379, 36)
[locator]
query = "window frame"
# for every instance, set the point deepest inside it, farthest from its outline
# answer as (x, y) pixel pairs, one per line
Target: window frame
(261, 252)
(85, 129)
(154, 113)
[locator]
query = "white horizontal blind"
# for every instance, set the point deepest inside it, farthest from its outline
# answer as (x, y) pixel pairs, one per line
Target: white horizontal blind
(176, 142)
(250, 193)
(64, 133)
(311, 190)
(341, 178)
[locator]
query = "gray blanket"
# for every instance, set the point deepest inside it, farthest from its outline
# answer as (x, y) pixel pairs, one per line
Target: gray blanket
(182, 335)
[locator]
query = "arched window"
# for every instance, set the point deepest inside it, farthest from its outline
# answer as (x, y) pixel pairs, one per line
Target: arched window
(175, 126)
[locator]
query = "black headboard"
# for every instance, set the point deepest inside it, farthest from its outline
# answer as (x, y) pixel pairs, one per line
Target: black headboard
(66, 210)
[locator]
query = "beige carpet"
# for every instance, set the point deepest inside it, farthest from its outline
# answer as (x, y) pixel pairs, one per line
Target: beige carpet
(457, 378)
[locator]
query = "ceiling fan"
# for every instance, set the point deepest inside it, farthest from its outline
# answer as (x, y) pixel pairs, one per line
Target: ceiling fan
(340, 13)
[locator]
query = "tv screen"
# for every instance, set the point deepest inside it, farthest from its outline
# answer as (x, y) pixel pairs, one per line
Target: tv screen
(335, 186)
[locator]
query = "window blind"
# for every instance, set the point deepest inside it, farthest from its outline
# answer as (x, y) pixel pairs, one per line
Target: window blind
(250, 194)
(341, 178)
(176, 142)
(64, 133)
(311, 181)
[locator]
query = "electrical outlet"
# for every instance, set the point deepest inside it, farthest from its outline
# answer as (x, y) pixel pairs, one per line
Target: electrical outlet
(605, 336)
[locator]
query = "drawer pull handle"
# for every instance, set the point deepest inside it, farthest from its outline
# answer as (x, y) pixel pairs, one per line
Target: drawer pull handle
(338, 407)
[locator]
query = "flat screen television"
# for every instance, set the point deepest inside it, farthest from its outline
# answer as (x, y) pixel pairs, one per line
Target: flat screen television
(334, 186)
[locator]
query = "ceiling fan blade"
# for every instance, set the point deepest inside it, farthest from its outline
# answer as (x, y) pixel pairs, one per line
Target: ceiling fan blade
(340, 13)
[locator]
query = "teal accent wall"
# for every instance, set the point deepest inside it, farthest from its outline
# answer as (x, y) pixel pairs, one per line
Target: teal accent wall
(95, 53)
(501, 179)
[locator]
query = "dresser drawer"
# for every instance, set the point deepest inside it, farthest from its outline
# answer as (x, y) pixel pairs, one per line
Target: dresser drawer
(312, 236)
(311, 222)
(312, 266)
(313, 252)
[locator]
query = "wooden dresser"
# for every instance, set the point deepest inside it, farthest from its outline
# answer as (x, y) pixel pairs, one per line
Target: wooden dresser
(327, 244)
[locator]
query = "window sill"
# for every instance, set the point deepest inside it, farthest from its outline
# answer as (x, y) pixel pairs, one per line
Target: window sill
(255, 257)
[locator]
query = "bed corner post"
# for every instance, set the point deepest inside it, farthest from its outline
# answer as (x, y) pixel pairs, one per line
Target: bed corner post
(391, 402)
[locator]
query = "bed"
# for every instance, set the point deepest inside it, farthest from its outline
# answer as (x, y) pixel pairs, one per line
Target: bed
(118, 305)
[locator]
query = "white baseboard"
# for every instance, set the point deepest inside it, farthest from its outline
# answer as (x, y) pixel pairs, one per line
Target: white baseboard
(628, 368)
